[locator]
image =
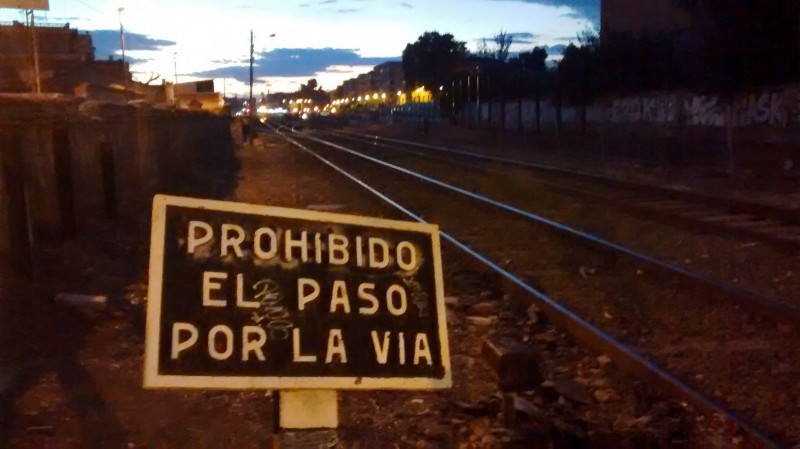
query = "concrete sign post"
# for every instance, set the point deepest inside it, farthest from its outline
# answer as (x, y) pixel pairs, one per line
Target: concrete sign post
(255, 297)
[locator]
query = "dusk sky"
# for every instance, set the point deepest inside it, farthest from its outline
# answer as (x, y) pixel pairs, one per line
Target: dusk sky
(330, 40)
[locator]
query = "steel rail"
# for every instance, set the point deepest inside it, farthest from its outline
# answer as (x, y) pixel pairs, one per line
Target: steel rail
(749, 300)
(734, 205)
(583, 331)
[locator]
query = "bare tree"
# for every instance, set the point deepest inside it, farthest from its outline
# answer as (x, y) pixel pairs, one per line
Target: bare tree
(503, 42)
(153, 76)
(499, 51)
(483, 49)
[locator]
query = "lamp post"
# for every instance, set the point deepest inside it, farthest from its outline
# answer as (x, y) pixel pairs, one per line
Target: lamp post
(250, 104)
(175, 86)
(252, 59)
(37, 73)
(122, 42)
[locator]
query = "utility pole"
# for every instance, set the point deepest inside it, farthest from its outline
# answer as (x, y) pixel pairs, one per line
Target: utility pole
(36, 56)
(122, 42)
(250, 105)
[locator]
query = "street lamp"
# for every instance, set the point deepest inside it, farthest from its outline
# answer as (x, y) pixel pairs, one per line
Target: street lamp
(122, 42)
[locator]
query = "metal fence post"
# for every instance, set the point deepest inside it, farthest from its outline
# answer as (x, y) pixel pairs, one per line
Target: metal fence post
(108, 173)
(62, 156)
(17, 216)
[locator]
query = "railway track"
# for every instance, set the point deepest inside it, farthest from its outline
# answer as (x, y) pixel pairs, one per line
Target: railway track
(761, 304)
(771, 225)
(631, 357)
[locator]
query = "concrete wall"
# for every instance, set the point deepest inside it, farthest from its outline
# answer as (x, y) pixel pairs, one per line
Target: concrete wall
(776, 107)
(763, 125)
(154, 151)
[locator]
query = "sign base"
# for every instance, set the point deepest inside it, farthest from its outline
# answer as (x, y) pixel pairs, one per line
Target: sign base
(308, 409)
(307, 439)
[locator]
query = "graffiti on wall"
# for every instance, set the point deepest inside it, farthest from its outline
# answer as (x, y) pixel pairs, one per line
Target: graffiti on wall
(774, 108)
(704, 111)
(650, 109)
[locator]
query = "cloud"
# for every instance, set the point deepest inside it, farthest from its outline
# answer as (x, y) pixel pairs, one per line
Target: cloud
(230, 61)
(339, 69)
(406, 5)
(517, 38)
(523, 35)
(323, 2)
(134, 61)
(65, 19)
(565, 39)
(294, 62)
(587, 9)
(573, 15)
(347, 10)
(107, 42)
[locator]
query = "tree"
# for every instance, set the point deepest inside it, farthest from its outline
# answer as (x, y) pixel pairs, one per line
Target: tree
(309, 88)
(534, 62)
(483, 50)
(432, 60)
(579, 73)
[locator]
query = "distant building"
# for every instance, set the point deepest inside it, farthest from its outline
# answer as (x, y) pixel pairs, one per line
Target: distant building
(196, 96)
(386, 78)
(634, 17)
(668, 44)
(66, 60)
(67, 66)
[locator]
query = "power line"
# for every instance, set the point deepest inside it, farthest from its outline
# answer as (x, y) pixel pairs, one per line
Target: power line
(89, 6)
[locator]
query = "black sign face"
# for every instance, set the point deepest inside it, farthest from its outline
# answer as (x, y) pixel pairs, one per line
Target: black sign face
(244, 296)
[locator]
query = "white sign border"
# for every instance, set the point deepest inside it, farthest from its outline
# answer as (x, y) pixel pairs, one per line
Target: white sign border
(152, 379)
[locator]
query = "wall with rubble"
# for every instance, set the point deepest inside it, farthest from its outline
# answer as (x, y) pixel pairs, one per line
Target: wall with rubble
(150, 151)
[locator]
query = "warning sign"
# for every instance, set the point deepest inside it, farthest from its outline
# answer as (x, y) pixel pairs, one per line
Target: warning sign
(244, 296)
(25, 4)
